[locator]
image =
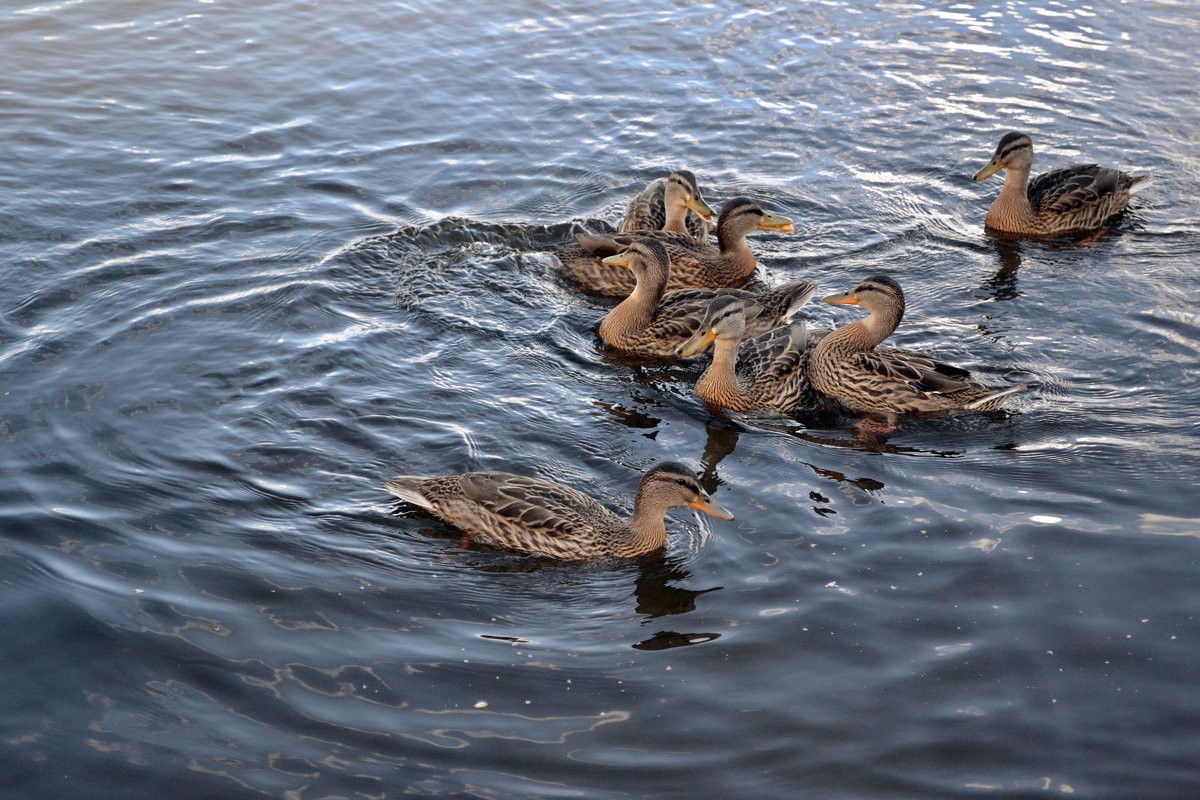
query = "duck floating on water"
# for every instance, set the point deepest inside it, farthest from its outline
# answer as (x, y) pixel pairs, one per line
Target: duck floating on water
(544, 518)
(694, 264)
(673, 203)
(1072, 199)
(847, 366)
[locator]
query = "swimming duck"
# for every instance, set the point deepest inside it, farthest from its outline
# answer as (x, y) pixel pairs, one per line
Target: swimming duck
(654, 322)
(767, 371)
(693, 263)
(1077, 198)
(670, 209)
(654, 209)
(846, 365)
(545, 518)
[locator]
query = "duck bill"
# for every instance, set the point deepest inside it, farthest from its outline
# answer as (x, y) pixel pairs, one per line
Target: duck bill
(617, 260)
(993, 166)
(771, 222)
(842, 299)
(696, 344)
(711, 507)
(696, 203)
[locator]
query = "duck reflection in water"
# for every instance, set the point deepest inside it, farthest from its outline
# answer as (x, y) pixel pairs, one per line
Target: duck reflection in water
(1003, 284)
(721, 439)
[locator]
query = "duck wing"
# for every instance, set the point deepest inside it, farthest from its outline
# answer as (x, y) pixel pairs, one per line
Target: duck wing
(915, 369)
(774, 354)
(679, 313)
(1069, 189)
(536, 504)
(679, 245)
(647, 210)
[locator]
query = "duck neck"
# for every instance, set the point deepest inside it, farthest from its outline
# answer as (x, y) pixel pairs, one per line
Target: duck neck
(634, 313)
(647, 528)
(1012, 211)
(719, 384)
(736, 250)
(676, 219)
(864, 335)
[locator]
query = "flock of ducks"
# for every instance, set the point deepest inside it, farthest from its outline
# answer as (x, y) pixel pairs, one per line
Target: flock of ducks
(681, 297)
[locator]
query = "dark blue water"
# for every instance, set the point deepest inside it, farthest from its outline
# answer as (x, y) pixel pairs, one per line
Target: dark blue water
(260, 257)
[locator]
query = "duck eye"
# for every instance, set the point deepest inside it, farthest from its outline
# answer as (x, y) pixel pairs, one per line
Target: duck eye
(682, 481)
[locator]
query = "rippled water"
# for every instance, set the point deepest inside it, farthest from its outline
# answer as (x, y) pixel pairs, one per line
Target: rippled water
(261, 257)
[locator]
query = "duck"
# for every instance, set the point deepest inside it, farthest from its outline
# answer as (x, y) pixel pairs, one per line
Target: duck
(1068, 200)
(848, 367)
(768, 371)
(694, 264)
(654, 322)
(667, 205)
(654, 209)
(544, 518)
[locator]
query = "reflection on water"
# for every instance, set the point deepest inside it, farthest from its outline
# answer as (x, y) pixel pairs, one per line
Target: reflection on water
(655, 589)
(665, 640)
(1003, 284)
(720, 440)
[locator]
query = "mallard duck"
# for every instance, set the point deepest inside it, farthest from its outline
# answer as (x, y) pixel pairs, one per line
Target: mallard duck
(653, 209)
(1077, 198)
(693, 263)
(846, 366)
(669, 209)
(653, 322)
(768, 371)
(545, 518)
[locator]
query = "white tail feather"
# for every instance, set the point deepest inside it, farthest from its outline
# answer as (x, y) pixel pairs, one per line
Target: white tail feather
(407, 488)
(988, 399)
(1140, 182)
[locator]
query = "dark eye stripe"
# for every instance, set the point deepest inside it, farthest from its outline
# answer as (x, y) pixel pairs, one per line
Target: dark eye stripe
(1014, 148)
(686, 483)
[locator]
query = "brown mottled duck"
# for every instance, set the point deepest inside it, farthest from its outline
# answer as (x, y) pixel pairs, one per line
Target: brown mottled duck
(663, 205)
(654, 322)
(668, 210)
(545, 518)
(768, 371)
(1071, 199)
(847, 366)
(694, 264)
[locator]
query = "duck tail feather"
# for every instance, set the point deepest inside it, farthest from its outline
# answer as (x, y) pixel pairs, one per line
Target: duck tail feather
(408, 489)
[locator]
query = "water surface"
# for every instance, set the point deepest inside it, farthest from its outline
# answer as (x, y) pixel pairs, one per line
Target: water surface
(260, 258)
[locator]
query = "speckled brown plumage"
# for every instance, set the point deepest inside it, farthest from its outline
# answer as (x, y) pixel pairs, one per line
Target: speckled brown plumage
(655, 323)
(1072, 199)
(545, 518)
(768, 371)
(693, 263)
(847, 366)
(649, 209)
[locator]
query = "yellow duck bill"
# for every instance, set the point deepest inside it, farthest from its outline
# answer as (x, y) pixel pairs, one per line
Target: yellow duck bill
(993, 166)
(772, 222)
(711, 507)
(841, 299)
(700, 207)
(696, 344)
